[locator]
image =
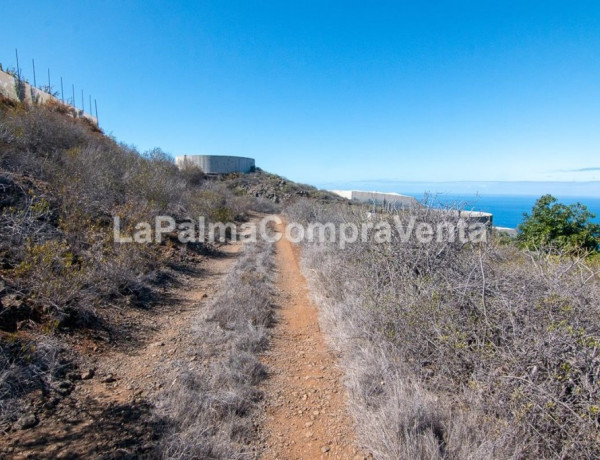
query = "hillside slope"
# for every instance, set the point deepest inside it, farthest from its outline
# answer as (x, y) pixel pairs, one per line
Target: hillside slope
(68, 292)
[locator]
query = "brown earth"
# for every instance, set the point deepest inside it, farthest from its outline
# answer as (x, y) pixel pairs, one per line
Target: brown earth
(306, 415)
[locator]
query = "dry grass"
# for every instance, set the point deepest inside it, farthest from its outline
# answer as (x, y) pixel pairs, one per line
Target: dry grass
(459, 351)
(208, 411)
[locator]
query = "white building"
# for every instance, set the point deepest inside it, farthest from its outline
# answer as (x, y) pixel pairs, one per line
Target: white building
(386, 199)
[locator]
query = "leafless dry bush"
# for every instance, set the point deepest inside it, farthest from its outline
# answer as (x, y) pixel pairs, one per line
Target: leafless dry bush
(208, 410)
(461, 351)
(26, 366)
(33, 139)
(61, 184)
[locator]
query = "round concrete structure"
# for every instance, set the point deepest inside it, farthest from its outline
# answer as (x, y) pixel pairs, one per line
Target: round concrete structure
(217, 164)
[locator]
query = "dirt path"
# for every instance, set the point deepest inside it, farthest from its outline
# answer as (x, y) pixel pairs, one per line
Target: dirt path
(108, 415)
(306, 415)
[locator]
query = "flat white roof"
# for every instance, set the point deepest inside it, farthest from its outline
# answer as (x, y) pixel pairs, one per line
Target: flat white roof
(339, 192)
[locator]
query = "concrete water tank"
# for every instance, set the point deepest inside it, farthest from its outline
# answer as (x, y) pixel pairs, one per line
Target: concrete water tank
(217, 164)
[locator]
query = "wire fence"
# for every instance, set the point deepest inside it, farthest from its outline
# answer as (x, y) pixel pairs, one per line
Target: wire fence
(48, 88)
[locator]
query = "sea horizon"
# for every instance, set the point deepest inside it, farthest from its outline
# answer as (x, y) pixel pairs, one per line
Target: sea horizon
(506, 201)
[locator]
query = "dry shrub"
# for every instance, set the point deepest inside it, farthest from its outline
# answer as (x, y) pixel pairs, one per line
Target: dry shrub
(461, 351)
(26, 366)
(61, 184)
(63, 181)
(193, 174)
(34, 138)
(217, 203)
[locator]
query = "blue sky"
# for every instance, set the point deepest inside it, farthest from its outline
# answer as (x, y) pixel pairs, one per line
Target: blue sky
(335, 92)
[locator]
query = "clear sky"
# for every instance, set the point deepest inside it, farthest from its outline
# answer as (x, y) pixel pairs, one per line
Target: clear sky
(332, 91)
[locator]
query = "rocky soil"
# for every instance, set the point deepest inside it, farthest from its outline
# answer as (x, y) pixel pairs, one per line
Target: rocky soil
(306, 416)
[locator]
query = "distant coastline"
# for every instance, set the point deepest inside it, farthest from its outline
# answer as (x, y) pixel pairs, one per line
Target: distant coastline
(507, 201)
(515, 188)
(508, 209)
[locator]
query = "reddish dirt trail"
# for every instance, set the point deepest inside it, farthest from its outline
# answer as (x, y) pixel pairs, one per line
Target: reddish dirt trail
(306, 415)
(106, 417)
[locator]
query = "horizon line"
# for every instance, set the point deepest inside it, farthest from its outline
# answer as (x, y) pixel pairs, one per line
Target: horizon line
(464, 181)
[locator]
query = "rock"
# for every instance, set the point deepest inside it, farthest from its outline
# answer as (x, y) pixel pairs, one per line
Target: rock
(157, 344)
(109, 379)
(87, 374)
(26, 324)
(11, 301)
(325, 449)
(27, 421)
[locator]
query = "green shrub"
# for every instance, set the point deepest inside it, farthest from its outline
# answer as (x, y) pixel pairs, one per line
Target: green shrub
(564, 227)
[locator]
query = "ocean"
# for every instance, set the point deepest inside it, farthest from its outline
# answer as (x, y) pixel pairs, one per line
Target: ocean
(507, 201)
(508, 209)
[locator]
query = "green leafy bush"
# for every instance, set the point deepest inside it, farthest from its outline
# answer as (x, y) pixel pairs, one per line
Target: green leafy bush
(564, 227)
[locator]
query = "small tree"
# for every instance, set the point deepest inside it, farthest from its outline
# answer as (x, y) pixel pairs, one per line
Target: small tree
(560, 226)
